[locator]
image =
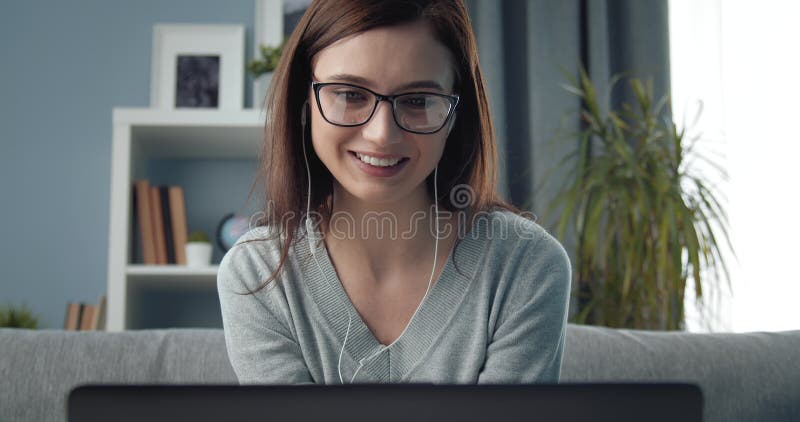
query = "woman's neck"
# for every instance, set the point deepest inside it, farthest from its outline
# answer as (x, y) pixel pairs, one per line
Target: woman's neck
(385, 236)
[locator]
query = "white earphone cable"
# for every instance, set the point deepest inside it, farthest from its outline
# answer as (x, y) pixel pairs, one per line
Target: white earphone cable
(430, 280)
(312, 249)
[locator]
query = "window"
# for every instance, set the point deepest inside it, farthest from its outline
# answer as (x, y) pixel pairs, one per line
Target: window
(739, 59)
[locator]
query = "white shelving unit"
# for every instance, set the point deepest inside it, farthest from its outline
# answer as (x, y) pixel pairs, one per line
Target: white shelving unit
(139, 135)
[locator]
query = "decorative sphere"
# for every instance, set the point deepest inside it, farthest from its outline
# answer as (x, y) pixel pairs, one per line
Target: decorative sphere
(230, 229)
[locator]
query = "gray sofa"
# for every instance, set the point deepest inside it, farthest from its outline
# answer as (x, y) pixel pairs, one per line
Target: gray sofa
(744, 377)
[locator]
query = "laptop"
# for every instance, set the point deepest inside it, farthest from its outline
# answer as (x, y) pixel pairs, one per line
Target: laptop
(387, 403)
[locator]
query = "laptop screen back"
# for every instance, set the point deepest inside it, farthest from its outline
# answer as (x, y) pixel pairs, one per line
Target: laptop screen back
(389, 403)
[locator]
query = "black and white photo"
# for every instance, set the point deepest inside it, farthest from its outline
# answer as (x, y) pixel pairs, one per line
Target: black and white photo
(197, 81)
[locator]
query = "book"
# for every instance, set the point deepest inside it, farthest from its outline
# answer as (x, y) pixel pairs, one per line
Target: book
(99, 320)
(87, 316)
(158, 226)
(145, 221)
(134, 234)
(81, 308)
(177, 208)
(72, 320)
(163, 192)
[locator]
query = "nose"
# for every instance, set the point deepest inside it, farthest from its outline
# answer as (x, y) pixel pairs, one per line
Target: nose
(382, 128)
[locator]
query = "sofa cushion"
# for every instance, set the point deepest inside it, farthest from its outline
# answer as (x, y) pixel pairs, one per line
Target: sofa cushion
(39, 368)
(743, 376)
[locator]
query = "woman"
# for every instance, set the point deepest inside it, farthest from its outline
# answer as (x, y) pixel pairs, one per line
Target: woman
(386, 254)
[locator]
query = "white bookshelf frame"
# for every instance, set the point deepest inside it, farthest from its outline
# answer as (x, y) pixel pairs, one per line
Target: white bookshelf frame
(143, 133)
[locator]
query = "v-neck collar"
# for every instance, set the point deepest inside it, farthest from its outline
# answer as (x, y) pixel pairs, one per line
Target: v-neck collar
(438, 308)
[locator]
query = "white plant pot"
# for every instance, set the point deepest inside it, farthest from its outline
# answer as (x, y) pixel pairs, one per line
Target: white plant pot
(260, 87)
(198, 254)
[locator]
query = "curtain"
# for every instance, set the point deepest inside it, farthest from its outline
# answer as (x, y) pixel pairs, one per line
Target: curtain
(527, 47)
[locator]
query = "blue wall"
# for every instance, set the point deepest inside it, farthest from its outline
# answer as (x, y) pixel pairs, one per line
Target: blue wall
(63, 67)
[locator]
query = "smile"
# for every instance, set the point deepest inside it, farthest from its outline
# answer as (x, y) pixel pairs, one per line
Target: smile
(387, 166)
(379, 162)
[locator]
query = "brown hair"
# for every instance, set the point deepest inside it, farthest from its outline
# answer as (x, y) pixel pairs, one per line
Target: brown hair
(469, 156)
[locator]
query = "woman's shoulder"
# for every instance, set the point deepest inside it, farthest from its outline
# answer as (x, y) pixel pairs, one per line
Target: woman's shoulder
(254, 255)
(520, 236)
(532, 259)
(504, 224)
(264, 233)
(258, 239)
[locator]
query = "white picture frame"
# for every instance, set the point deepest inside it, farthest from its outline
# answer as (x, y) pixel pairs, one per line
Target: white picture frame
(171, 41)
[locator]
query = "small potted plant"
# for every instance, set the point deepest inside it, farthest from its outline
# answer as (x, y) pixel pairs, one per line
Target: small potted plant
(262, 70)
(198, 250)
(18, 317)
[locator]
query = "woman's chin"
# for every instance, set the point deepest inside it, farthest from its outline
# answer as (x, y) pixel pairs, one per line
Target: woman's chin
(377, 196)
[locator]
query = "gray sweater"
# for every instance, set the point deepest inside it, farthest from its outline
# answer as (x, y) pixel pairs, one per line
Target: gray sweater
(497, 313)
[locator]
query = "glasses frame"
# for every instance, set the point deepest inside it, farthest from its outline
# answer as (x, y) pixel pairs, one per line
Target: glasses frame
(391, 99)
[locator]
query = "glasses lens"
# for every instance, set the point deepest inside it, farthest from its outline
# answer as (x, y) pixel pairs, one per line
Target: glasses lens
(346, 105)
(422, 112)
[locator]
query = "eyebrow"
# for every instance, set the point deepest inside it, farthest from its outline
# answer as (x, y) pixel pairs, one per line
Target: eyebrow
(358, 80)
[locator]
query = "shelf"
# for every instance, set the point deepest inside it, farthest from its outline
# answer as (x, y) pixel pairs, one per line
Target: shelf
(194, 134)
(185, 117)
(171, 270)
(172, 275)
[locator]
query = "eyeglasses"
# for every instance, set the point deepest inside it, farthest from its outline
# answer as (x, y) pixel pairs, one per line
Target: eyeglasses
(350, 105)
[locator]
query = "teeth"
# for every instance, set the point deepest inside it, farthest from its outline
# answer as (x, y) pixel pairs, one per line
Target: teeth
(378, 162)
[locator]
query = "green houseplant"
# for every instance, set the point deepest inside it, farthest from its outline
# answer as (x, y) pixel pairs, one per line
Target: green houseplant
(198, 236)
(18, 317)
(262, 68)
(267, 62)
(646, 223)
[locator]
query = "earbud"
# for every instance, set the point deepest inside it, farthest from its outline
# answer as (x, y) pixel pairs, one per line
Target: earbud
(303, 114)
